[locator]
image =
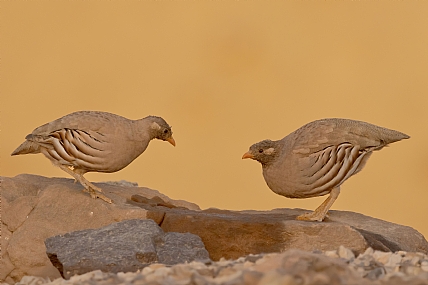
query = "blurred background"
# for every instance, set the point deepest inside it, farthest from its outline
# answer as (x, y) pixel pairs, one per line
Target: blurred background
(225, 75)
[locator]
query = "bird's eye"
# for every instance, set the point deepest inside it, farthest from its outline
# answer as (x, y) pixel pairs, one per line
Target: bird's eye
(260, 150)
(165, 131)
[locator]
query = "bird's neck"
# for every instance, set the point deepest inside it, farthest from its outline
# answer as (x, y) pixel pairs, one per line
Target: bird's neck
(270, 160)
(143, 129)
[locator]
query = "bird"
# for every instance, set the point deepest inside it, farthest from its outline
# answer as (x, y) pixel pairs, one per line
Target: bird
(316, 159)
(94, 141)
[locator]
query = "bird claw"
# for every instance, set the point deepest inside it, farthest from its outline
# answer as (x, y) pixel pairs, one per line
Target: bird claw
(102, 197)
(95, 193)
(108, 200)
(312, 216)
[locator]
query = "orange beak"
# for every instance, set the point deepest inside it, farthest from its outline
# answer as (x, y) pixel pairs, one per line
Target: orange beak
(248, 155)
(171, 141)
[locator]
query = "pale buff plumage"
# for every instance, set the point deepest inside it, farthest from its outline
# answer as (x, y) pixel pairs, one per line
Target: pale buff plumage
(317, 158)
(91, 141)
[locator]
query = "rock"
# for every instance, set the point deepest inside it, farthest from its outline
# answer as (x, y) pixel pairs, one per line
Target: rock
(122, 183)
(5, 263)
(317, 269)
(233, 234)
(382, 235)
(411, 258)
(123, 246)
(155, 201)
(35, 208)
(56, 206)
(34, 280)
(126, 246)
(332, 253)
(176, 248)
(368, 252)
(394, 260)
(382, 257)
(376, 273)
(275, 278)
(292, 267)
(345, 253)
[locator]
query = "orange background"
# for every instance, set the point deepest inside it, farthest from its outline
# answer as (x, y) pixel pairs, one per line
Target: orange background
(225, 75)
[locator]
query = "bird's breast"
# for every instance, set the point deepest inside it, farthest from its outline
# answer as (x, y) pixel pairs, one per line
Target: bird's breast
(119, 155)
(281, 180)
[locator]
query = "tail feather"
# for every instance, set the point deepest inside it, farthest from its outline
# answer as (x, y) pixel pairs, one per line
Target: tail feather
(390, 136)
(26, 148)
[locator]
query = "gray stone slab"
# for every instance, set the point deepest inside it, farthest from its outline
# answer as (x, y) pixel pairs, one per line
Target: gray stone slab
(121, 247)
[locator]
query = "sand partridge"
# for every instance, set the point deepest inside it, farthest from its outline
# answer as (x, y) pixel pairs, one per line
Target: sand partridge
(91, 141)
(317, 158)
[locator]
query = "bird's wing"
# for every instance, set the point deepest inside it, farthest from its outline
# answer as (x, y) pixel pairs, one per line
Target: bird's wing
(88, 121)
(321, 134)
(329, 151)
(72, 147)
(330, 167)
(80, 139)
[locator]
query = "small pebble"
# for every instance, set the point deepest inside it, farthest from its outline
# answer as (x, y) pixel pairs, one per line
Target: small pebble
(248, 264)
(345, 253)
(253, 258)
(275, 278)
(376, 273)
(381, 256)
(415, 260)
(240, 260)
(33, 280)
(411, 270)
(155, 266)
(147, 270)
(394, 260)
(331, 253)
(369, 251)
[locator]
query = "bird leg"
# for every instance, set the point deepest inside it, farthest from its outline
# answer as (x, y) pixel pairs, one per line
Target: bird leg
(320, 212)
(93, 190)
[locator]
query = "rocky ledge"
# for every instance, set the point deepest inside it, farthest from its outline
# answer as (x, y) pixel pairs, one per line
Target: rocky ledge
(245, 247)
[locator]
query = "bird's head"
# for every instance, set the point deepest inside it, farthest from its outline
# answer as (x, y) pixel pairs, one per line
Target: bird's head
(264, 152)
(161, 130)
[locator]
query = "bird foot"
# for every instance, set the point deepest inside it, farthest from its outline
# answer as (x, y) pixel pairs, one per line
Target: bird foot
(101, 196)
(97, 194)
(93, 190)
(312, 216)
